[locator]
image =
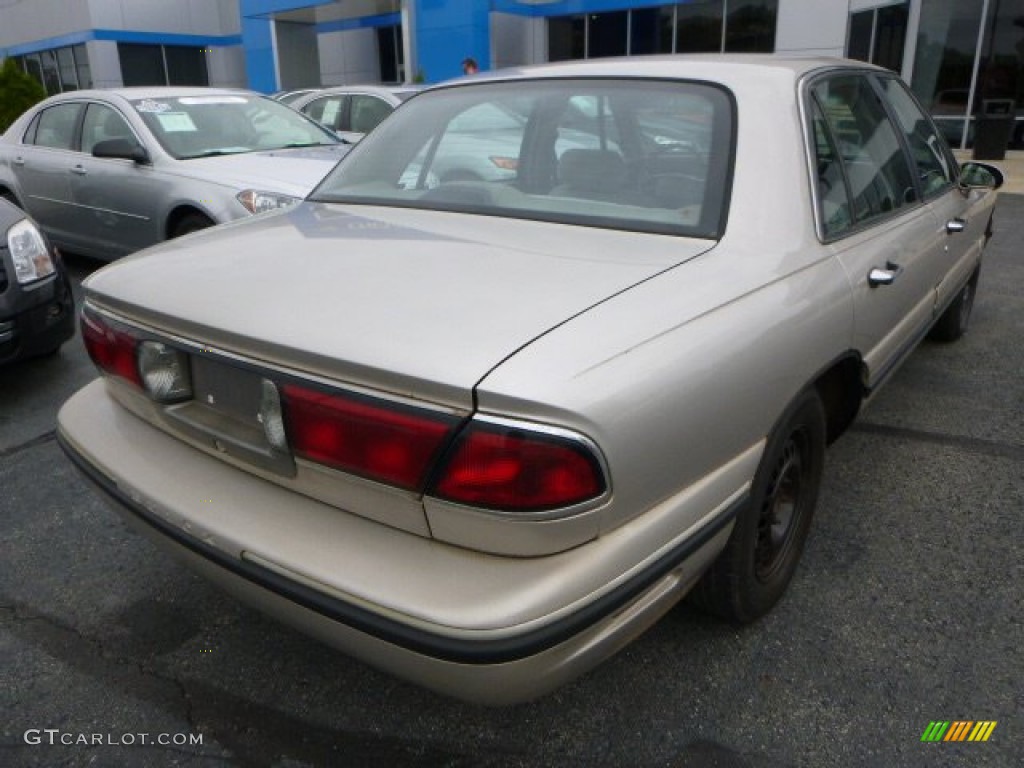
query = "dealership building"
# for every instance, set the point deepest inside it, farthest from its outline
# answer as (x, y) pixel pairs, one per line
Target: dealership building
(963, 58)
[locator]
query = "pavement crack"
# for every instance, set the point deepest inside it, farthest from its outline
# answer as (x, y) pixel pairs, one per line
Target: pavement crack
(92, 656)
(42, 439)
(964, 442)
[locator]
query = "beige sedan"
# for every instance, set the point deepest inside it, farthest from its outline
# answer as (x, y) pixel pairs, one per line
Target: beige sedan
(482, 433)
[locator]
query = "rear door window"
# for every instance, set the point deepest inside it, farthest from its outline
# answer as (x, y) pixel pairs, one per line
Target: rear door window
(933, 161)
(56, 128)
(869, 147)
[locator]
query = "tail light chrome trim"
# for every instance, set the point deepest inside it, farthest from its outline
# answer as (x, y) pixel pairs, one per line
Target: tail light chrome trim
(453, 428)
(560, 434)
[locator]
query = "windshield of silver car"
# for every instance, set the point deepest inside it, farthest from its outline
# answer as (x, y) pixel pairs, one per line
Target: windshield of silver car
(640, 155)
(227, 124)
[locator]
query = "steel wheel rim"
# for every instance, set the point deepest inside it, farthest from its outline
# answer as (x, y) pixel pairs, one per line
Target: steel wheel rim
(781, 510)
(966, 303)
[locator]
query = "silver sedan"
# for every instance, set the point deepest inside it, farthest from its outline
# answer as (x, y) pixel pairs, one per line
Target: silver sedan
(482, 433)
(352, 111)
(106, 173)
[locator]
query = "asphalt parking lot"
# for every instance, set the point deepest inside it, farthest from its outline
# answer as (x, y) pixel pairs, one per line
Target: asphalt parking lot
(907, 609)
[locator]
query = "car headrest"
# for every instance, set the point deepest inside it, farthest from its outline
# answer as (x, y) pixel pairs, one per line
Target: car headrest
(591, 170)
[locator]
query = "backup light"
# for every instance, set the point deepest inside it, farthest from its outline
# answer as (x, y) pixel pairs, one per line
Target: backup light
(271, 416)
(164, 371)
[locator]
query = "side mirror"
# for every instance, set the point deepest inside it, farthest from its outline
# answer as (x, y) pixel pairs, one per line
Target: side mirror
(975, 175)
(123, 149)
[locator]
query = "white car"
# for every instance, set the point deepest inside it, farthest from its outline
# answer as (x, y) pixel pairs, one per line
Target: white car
(352, 111)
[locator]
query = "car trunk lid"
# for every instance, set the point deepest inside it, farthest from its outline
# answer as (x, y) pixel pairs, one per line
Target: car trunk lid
(421, 304)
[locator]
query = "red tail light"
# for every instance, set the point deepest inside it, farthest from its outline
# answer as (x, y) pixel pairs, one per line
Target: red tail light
(111, 348)
(388, 443)
(506, 468)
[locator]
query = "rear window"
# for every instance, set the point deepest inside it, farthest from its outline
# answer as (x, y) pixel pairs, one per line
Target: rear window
(649, 156)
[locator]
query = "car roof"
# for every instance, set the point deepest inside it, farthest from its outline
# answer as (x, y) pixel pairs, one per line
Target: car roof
(387, 92)
(370, 88)
(150, 92)
(725, 67)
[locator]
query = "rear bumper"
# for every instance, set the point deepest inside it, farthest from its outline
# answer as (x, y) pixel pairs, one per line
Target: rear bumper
(416, 634)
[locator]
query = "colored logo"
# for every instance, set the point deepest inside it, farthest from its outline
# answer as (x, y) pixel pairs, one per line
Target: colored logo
(958, 730)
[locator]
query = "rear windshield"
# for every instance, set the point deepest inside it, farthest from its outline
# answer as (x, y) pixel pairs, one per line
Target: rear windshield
(643, 155)
(227, 124)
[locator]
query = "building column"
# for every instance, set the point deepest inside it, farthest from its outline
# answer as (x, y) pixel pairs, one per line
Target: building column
(443, 34)
(260, 54)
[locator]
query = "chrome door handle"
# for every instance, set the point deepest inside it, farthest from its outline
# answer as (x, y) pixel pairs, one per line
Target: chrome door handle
(18, 161)
(956, 225)
(78, 170)
(887, 276)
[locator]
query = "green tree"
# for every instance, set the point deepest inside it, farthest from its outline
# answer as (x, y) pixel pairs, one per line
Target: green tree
(18, 92)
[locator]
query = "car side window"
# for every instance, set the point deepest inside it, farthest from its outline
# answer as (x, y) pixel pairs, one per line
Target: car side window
(30, 132)
(327, 111)
(869, 147)
(833, 194)
(102, 123)
(367, 112)
(56, 127)
(932, 158)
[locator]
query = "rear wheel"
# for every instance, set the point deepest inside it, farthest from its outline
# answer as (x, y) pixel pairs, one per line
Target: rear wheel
(189, 223)
(954, 321)
(761, 556)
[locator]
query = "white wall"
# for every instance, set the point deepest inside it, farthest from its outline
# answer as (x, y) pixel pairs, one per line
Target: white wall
(517, 40)
(226, 67)
(41, 19)
(349, 57)
(812, 27)
(298, 64)
(104, 63)
(186, 17)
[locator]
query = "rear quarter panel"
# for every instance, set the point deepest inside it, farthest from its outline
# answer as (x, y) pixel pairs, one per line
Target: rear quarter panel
(682, 374)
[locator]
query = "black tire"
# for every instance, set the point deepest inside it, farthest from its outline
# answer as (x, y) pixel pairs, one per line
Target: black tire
(189, 223)
(761, 556)
(952, 324)
(10, 198)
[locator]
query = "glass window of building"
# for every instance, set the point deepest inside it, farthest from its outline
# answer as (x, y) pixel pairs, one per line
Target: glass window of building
(700, 26)
(59, 69)
(1000, 80)
(750, 25)
(51, 77)
(66, 67)
(186, 65)
(390, 53)
(34, 67)
(650, 30)
(879, 36)
(82, 66)
(607, 34)
(162, 64)
(567, 38)
(947, 39)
